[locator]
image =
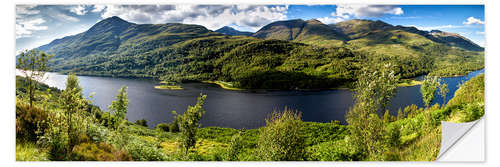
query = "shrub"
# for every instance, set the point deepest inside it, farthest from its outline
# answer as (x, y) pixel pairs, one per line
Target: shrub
(234, 148)
(163, 126)
(29, 120)
(144, 151)
(97, 133)
(98, 152)
(392, 135)
(282, 138)
(55, 137)
(142, 122)
(339, 150)
(28, 151)
(189, 124)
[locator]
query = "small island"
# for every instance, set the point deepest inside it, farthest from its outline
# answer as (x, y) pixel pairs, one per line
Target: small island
(169, 86)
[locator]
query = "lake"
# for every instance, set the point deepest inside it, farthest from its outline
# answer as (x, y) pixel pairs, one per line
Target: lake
(235, 109)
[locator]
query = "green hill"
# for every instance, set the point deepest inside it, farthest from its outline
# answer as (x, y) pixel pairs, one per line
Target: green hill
(293, 54)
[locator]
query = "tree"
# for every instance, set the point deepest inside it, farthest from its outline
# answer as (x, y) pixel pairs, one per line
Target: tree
(189, 124)
(234, 147)
(428, 88)
(282, 138)
(33, 64)
(119, 107)
(443, 90)
(374, 88)
(72, 101)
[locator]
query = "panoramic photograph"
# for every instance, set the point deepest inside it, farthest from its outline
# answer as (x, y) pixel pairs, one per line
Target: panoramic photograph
(186, 82)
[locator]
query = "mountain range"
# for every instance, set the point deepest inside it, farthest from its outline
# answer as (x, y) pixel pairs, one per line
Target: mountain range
(295, 51)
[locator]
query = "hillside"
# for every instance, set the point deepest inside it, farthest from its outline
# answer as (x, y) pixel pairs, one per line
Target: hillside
(293, 54)
(310, 31)
(231, 31)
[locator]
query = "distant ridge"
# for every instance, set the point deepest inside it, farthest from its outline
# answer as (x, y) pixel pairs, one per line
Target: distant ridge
(231, 31)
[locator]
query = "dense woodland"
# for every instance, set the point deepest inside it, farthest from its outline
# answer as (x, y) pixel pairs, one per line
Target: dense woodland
(64, 125)
(333, 54)
(371, 58)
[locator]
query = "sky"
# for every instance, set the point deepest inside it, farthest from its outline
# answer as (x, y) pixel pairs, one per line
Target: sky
(37, 25)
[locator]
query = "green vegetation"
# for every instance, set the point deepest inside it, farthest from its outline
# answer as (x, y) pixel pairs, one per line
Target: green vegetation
(282, 139)
(33, 64)
(428, 88)
(373, 92)
(292, 54)
(169, 86)
(371, 57)
(189, 124)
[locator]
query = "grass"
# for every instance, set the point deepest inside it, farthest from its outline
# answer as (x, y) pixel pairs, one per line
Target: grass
(169, 86)
(409, 82)
(29, 151)
(224, 85)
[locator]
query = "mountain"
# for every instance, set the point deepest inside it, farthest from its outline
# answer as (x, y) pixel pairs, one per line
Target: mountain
(114, 35)
(231, 31)
(382, 32)
(457, 40)
(292, 54)
(310, 31)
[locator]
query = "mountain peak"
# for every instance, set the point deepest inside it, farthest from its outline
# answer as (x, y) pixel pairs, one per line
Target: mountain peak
(113, 19)
(231, 31)
(314, 21)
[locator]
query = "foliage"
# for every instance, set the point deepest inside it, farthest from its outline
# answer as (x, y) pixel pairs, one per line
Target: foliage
(373, 91)
(282, 139)
(428, 88)
(29, 120)
(119, 107)
(29, 151)
(98, 152)
(443, 90)
(338, 150)
(73, 103)
(33, 64)
(142, 150)
(142, 122)
(163, 126)
(189, 124)
(234, 148)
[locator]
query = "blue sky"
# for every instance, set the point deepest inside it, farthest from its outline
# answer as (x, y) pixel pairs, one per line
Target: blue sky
(38, 25)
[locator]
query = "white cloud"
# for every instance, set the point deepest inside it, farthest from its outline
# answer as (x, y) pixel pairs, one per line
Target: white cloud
(440, 27)
(210, 16)
(345, 11)
(98, 8)
(65, 17)
(26, 10)
(331, 20)
(24, 28)
(471, 20)
(480, 32)
(79, 9)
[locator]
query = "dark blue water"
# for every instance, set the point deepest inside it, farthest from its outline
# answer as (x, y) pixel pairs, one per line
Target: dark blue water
(235, 109)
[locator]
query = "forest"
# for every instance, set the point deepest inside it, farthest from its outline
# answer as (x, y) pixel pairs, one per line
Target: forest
(177, 53)
(53, 124)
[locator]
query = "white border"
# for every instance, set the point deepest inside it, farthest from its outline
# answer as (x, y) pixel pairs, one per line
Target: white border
(7, 87)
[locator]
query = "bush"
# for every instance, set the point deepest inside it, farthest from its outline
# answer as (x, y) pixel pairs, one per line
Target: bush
(339, 150)
(145, 151)
(97, 133)
(142, 122)
(234, 148)
(29, 120)
(98, 152)
(282, 138)
(164, 127)
(28, 151)
(392, 135)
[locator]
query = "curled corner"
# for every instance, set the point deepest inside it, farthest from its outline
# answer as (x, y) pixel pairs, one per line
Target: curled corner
(452, 132)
